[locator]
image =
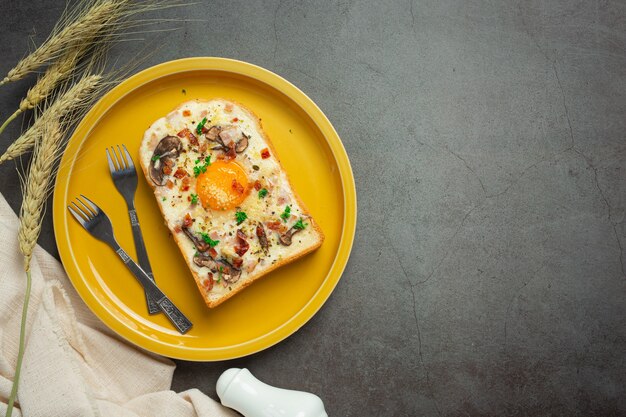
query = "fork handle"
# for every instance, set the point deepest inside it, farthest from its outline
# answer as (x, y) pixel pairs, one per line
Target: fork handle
(142, 255)
(177, 318)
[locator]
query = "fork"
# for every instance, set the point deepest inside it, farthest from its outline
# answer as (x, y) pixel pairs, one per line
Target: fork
(124, 177)
(97, 223)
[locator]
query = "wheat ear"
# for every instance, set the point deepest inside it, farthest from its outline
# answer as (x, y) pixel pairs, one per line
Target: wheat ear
(54, 75)
(84, 24)
(73, 99)
(36, 188)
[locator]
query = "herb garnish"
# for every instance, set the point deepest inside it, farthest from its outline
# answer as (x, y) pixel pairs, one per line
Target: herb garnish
(300, 225)
(194, 198)
(156, 158)
(240, 216)
(200, 126)
(212, 243)
(219, 274)
(285, 215)
(263, 192)
(201, 169)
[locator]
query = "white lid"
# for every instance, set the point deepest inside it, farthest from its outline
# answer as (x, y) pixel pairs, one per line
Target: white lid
(224, 381)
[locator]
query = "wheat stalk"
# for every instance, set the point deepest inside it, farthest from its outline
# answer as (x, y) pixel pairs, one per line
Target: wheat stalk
(75, 98)
(86, 22)
(81, 24)
(54, 75)
(36, 188)
(34, 197)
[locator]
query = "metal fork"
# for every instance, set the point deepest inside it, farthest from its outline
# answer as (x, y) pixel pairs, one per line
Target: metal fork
(124, 177)
(97, 223)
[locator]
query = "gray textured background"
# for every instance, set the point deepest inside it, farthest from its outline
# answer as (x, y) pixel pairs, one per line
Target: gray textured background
(488, 143)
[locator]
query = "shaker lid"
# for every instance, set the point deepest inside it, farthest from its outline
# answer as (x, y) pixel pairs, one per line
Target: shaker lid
(224, 381)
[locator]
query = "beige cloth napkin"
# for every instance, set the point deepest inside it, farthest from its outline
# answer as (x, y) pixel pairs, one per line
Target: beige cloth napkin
(73, 365)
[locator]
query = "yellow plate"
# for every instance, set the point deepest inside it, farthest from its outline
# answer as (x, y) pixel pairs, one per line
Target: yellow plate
(269, 310)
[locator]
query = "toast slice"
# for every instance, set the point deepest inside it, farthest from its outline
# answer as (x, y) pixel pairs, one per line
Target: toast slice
(224, 196)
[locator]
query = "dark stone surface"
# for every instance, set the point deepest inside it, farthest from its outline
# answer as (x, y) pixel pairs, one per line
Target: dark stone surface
(488, 144)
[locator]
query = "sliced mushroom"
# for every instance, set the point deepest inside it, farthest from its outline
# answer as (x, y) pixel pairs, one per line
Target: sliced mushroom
(165, 153)
(230, 274)
(203, 259)
(242, 144)
(222, 267)
(213, 133)
(226, 137)
(200, 244)
(260, 233)
(285, 238)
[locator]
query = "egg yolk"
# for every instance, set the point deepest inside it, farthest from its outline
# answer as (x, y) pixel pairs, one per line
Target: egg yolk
(223, 186)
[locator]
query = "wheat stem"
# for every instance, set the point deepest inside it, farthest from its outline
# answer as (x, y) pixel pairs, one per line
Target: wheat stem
(75, 98)
(9, 120)
(20, 351)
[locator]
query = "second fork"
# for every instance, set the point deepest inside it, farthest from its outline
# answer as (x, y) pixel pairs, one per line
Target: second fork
(124, 177)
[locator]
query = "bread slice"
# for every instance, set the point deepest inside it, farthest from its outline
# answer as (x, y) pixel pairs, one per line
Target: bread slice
(225, 196)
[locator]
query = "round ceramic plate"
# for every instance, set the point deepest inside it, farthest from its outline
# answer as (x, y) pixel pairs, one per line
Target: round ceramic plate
(273, 307)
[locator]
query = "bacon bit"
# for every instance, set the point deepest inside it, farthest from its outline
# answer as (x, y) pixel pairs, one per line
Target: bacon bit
(169, 184)
(186, 113)
(187, 221)
(236, 185)
(237, 262)
(168, 162)
(220, 157)
(257, 185)
(228, 108)
(232, 152)
(260, 233)
(213, 253)
(185, 184)
(251, 266)
(190, 136)
(177, 229)
(265, 153)
(208, 283)
(180, 173)
(235, 119)
(242, 244)
(167, 170)
(204, 130)
(203, 147)
(275, 225)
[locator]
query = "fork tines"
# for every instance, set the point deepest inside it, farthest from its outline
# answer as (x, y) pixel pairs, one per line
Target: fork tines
(87, 212)
(121, 160)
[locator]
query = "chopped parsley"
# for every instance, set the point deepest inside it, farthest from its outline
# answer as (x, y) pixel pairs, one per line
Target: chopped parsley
(263, 192)
(164, 198)
(200, 126)
(286, 213)
(201, 168)
(212, 243)
(240, 216)
(194, 198)
(300, 225)
(156, 158)
(219, 274)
